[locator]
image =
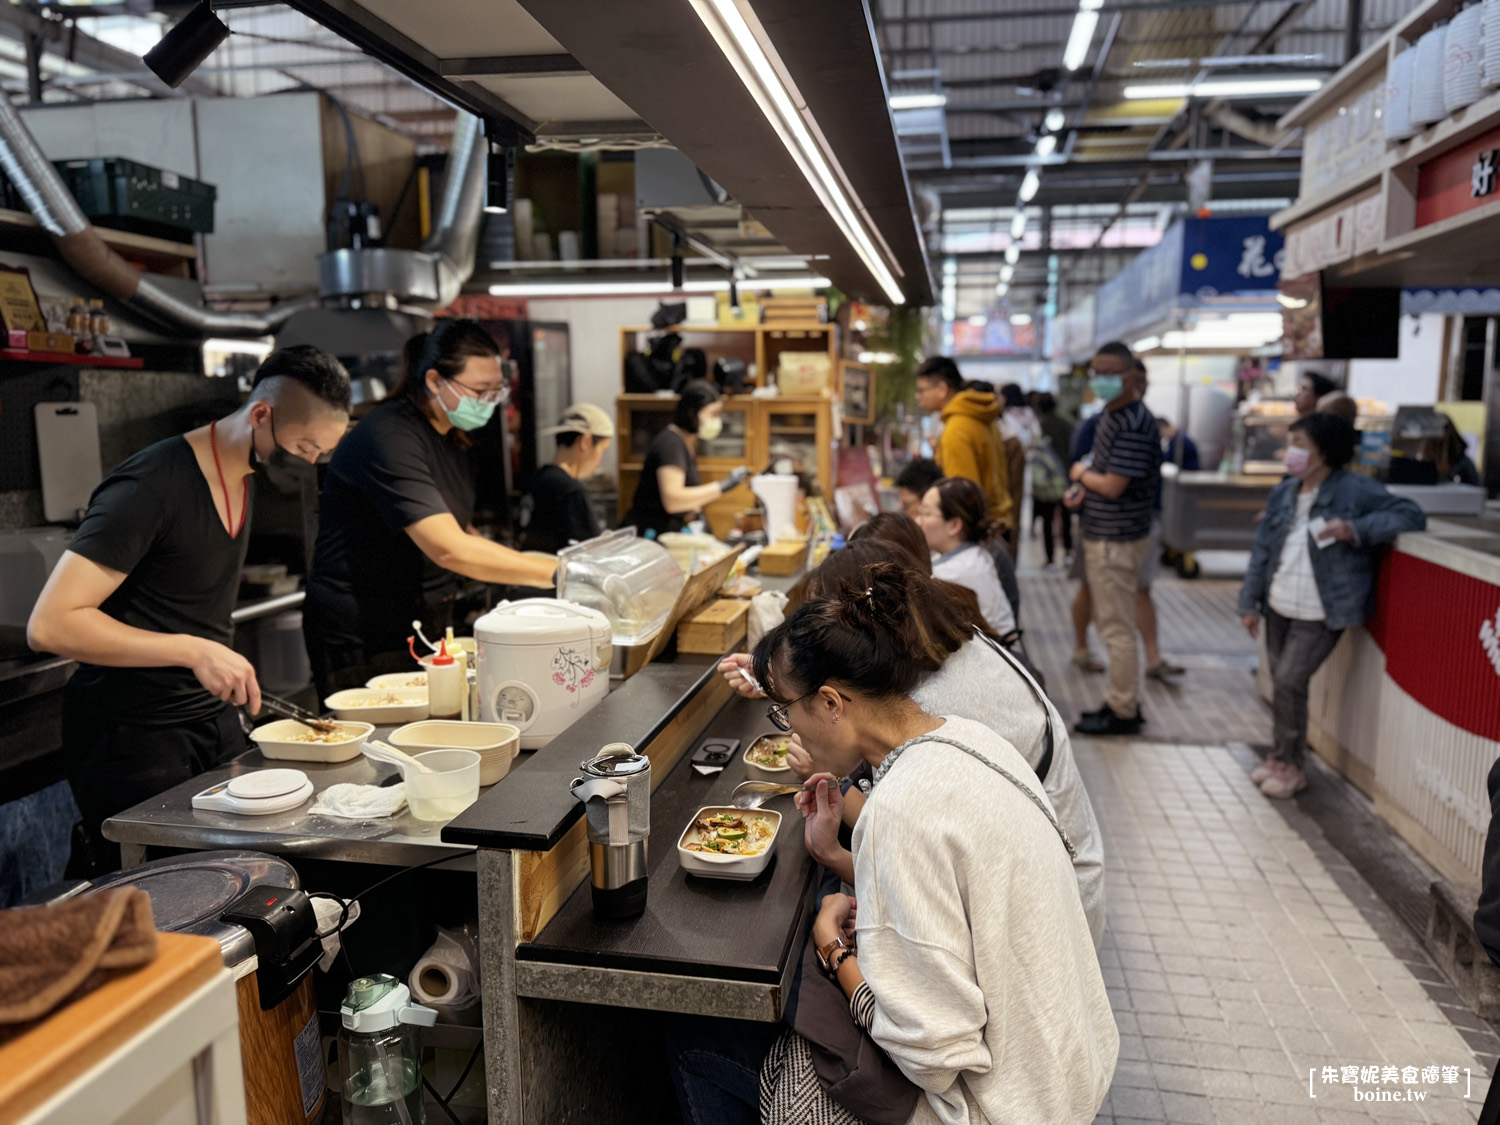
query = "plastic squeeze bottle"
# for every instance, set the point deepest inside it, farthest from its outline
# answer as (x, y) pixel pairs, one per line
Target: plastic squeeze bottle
(445, 685)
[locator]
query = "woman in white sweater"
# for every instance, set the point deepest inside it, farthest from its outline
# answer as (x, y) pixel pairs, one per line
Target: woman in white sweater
(968, 957)
(967, 678)
(954, 516)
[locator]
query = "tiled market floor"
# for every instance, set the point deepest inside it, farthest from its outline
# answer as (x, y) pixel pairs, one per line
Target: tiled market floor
(1244, 955)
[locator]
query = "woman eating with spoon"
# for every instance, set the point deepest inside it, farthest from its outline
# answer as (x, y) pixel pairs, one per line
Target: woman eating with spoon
(968, 958)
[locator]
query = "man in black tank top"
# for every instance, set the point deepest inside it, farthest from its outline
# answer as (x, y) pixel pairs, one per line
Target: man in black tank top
(142, 598)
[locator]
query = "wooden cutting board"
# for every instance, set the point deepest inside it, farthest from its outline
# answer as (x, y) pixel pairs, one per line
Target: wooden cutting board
(67, 441)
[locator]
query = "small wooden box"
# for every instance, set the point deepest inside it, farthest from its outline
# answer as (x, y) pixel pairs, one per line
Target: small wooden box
(716, 628)
(784, 557)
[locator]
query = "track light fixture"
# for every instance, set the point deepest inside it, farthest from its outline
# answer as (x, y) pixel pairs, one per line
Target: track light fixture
(183, 49)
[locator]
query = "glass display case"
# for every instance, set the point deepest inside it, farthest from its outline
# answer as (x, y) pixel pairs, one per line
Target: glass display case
(1258, 442)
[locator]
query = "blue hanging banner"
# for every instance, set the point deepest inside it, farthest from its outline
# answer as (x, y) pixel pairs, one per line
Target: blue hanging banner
(1197, 261)
(1226, 257)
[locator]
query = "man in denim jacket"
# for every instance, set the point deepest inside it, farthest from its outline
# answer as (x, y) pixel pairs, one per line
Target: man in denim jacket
(1312, 575)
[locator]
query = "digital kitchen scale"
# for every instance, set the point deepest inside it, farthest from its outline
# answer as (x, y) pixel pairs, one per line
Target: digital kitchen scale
(257, 794)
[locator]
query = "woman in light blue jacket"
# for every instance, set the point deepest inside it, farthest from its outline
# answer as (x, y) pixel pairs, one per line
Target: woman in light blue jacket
(1312, 575)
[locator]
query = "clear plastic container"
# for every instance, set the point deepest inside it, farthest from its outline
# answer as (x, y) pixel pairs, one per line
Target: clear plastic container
(633, 582)
(445, 794)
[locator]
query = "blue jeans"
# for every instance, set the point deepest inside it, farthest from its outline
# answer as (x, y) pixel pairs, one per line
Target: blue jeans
(716, 1067)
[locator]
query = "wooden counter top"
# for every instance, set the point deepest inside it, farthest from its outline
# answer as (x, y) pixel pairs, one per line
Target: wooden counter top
(75, 1038)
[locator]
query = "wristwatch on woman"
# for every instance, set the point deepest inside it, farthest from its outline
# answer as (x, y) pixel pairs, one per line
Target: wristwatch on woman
(831, 955)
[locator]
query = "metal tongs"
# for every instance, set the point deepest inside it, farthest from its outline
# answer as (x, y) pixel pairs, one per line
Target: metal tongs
(291, 711)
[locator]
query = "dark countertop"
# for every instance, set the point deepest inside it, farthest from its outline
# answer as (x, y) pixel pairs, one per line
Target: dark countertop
(533, 808)
(695, 926)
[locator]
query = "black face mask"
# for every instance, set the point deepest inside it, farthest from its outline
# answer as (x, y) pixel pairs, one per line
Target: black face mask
(280, 459)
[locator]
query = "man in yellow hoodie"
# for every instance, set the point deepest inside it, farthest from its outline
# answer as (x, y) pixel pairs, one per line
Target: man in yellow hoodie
(971, 445)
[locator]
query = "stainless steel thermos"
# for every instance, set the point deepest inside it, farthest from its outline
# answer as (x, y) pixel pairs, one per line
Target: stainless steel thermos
(616, 795)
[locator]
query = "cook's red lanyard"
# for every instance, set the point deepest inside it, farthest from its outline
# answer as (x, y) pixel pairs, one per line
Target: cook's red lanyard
(213, 443)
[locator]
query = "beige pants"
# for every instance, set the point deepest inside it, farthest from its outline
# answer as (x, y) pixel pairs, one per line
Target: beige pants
(1112, 567)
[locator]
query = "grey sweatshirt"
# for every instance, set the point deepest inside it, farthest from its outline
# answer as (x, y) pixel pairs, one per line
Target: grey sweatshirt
(972, 938)
(978, 683)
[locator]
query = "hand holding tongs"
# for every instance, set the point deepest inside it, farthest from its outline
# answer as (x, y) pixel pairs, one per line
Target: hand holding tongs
(291, 711)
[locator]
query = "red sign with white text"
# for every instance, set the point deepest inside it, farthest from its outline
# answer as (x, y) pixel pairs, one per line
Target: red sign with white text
(1462, 179)
(1440, 632)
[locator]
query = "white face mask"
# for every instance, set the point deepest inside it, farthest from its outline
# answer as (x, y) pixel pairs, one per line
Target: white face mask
(710, 428)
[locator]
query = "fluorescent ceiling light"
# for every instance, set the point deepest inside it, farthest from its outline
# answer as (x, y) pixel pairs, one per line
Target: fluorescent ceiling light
(950, 267)
(259, 348)
(918, 101)
(745, 44)
(878, 357)
(1020, 320)
(1018, 226)
(1079, 39)
(1012, 254)
(1225, 88)
(1147, 344)
(1056, 118)
(1007, 272)
(542, 290)
(1046, 145)
(1030, 183)
(1002, 289)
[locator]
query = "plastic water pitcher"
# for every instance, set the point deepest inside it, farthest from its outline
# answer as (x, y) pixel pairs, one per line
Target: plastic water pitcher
(380, 1053)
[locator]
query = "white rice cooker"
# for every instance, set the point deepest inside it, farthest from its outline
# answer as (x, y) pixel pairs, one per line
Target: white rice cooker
(542, 663)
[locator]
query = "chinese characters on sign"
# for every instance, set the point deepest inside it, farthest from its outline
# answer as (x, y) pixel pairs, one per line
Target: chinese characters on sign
(1369, 1082)
(1482, 178)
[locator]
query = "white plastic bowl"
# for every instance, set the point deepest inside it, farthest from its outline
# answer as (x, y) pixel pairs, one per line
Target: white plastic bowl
(275, 741)
(411, 705)
(398, 680)
(446, 793)
(711, 866)
(753, 764)
(497, 744)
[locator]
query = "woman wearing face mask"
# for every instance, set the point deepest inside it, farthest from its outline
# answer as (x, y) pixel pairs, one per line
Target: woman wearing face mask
(953, 517)
(395, 532)
(968, 958)
(671, 486)
(1312, 575)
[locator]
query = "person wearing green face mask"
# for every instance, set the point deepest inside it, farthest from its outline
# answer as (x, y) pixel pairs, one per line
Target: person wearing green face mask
(671, 486)
(395, 529)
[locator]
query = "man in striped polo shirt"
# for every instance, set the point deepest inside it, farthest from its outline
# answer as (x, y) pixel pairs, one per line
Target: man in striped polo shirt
(1115, 487)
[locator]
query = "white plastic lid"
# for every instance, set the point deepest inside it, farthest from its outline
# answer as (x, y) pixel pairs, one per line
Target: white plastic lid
(538, 621)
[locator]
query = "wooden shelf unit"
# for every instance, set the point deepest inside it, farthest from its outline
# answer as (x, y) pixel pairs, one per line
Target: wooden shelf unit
(750, 425)
(757, 344)
(152, 255)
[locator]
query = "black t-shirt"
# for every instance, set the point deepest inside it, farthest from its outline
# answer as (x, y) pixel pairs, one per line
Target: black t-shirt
(154, 519)
(369, 579)
(646, 512)
(555, 511)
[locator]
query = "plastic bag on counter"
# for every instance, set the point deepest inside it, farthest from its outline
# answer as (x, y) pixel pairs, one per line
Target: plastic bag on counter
(767, 610)
(446, 977)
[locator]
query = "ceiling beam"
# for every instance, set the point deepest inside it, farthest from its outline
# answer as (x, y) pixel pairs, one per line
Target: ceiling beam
(350, 20)
(511, 66)
(1013, 12)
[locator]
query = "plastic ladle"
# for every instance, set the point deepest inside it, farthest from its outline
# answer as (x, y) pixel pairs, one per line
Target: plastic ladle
(383, 752)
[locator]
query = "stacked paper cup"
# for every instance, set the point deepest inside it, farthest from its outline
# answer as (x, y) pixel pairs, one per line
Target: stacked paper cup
(1427, 79)
(1463, 46)
(1489, 20)
(1398, 124)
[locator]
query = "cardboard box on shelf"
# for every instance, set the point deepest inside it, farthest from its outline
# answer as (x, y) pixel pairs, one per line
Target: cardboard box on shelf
(804, 373)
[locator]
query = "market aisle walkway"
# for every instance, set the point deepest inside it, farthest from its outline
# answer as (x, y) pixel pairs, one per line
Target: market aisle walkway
(1243, 955)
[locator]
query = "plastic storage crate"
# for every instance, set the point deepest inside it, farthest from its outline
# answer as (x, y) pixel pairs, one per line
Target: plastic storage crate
(131, 196)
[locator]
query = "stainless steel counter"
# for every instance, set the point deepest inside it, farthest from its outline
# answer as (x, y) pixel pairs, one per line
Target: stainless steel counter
(171, 821)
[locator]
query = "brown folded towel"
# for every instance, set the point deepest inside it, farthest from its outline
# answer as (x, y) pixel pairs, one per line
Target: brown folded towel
(52, 954)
